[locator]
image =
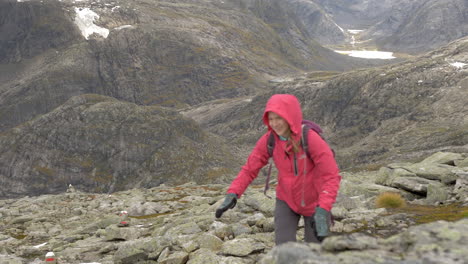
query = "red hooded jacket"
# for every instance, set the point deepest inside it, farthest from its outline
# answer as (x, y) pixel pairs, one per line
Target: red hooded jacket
(314, 183)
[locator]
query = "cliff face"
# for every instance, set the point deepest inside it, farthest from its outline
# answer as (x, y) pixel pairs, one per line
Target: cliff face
(101, 144)
(421, 26)
(29, 29)
(407, 26)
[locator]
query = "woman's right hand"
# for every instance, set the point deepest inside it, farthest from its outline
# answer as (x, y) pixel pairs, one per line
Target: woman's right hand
(229, 202)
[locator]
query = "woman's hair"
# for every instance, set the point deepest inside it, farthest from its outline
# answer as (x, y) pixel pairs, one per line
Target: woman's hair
(295, 145)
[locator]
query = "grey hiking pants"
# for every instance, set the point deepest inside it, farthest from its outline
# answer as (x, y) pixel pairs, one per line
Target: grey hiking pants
(286, 223)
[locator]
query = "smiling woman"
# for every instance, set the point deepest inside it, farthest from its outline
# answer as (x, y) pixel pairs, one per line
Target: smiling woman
(316, 172)
(279, 125)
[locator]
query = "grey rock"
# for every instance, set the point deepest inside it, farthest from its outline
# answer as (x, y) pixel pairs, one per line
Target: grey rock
(462, 163)
(447, 158)
(441, 172)
(221, 230)
(388, 175)
(138, 250)
(184, 229)
(413, 184)
(113, 232)
(349, 242)
(210, 242)
(292, 253)
(239, 229)
(266, 224)
(437, 193)
(339, 212)
(260, 202)
(241, 247)
(203, 256)
(175, 258)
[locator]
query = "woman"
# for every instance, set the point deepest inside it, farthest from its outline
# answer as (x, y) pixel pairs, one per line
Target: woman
(306, 187)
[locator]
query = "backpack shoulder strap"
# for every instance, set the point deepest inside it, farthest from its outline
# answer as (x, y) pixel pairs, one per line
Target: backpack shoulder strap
(271, 144)
(305, 140)
(306, 126)
(270, 148)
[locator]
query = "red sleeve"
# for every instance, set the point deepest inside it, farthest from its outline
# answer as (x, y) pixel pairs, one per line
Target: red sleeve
(257, 159)
(326, 168)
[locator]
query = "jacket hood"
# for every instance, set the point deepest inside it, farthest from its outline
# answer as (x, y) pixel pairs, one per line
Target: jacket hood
(288, 107)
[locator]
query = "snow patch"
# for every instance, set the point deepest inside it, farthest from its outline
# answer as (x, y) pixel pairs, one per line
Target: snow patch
(85, 21)
(368, 54)
(40, 245)
(458, 65)
(355, 31)
(342, 30)
(124, 26)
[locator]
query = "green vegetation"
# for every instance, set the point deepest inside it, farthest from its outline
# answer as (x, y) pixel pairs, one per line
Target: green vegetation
(426, 213)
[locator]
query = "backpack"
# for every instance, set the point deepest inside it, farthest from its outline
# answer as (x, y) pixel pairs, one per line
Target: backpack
(306, 126)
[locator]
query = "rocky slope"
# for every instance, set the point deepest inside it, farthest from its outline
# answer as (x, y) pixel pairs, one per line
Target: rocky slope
(421, 26)
(405, 26)
(359, 14)
(396, 112)
(100, 144)
(151, 52)
(176, 224)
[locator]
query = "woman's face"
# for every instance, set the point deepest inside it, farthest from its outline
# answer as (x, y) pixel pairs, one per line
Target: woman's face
(278, 124)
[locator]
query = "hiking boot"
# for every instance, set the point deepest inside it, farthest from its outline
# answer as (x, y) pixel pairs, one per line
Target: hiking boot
(124, 220)
(50, 258)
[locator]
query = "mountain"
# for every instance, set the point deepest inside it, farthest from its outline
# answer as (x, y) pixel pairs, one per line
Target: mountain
(100, 144)
(370, 116)
(421, 26)
(358, 14)
(149, 52)
(404, 26)
(291, 17)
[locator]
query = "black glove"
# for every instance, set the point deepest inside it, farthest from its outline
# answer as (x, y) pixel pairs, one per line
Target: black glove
(321, 223)
(229, 203)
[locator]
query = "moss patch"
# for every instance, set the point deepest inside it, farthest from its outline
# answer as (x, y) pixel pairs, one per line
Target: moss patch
(425, 214)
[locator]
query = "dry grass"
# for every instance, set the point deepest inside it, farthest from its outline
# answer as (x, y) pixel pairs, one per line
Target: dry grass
(390, 200)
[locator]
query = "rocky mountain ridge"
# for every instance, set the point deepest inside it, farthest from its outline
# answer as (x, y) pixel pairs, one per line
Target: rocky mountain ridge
(421, 26)
(401, 26)
(100, 144)
(176, 224)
